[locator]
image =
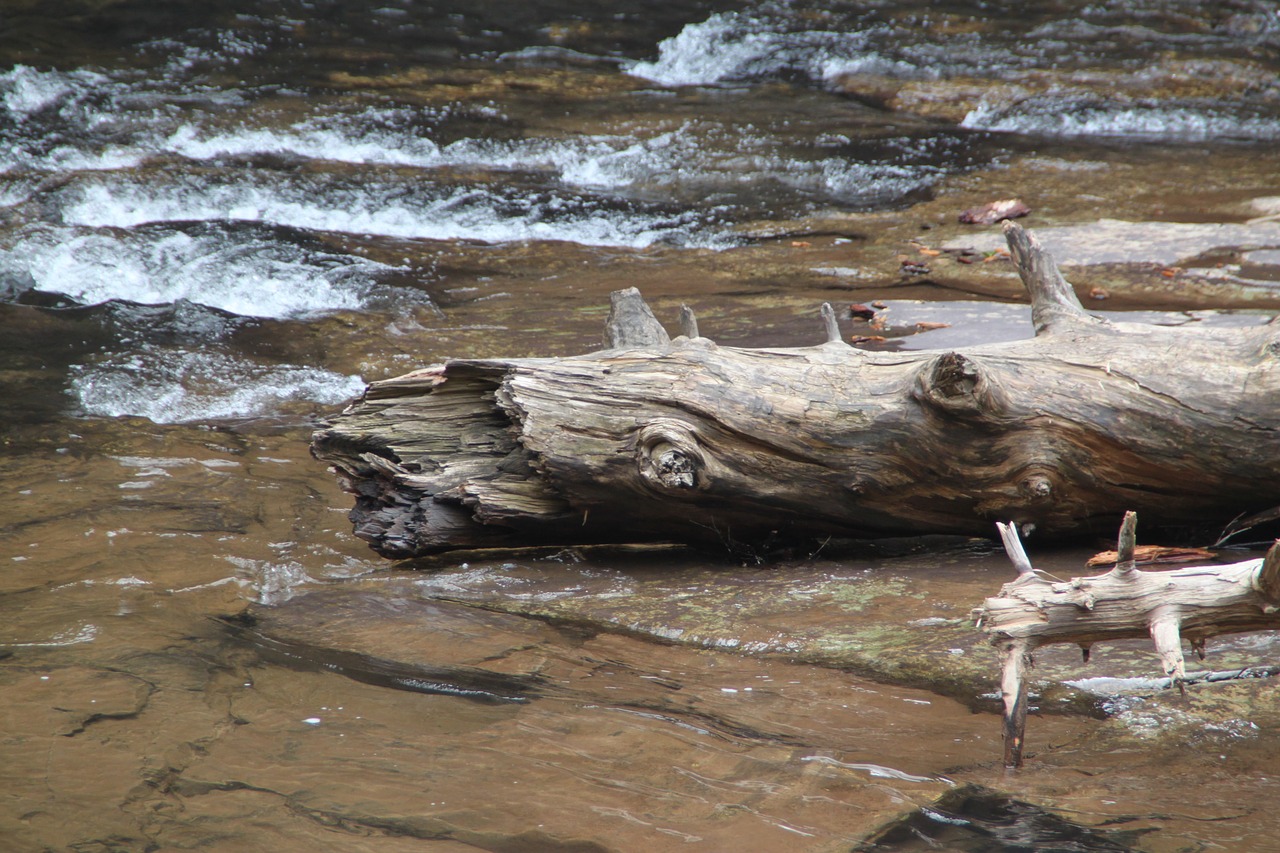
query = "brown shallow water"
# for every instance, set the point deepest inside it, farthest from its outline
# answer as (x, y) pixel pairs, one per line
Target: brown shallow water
(352, 708)
(200, 207)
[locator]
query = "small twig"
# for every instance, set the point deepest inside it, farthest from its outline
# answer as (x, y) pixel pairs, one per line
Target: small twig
(829, 322)
(1126, 544)
(688, 322)
(1013, 547)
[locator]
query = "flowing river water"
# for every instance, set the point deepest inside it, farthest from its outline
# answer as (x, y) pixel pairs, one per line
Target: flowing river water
(218, 221)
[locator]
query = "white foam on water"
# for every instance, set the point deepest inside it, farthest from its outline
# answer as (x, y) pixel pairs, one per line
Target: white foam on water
(843, 179)
(605, 161)
(25, 90)
(320, 138)
(699, 157)
(725, 159)
(369, 138)
(82, 633)
(82, 102)
(579, 161)
(1048, 118)
(244, 275)
(271, 583)
(16, 191)
(726, 46)
(177, 385)
(418, 211)
(877, 771)
(734, 47)
(68, 158)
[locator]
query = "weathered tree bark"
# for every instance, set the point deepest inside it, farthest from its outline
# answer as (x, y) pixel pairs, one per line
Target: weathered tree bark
(1192, 604)
(654, 439)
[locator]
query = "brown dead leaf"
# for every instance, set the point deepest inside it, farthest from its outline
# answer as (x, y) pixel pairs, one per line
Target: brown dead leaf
(1153, 554)
(930, 252)
(1098, 293)
(994, 211)
(801, 244)
(880, 303)
(927, 326)
(867, 339)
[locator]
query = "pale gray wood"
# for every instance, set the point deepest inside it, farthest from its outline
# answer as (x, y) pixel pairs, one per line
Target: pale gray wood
(688, 322)
(631, 323)
(655, 440)
(830, 324)
(1190, 604)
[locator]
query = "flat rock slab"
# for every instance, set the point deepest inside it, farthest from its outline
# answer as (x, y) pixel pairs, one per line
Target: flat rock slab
(904, 620)
(60, 735)
(1116, 241)
(620, 748)
(752, 696)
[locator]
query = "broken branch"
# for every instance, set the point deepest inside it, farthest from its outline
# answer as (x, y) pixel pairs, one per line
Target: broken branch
(1125, 603)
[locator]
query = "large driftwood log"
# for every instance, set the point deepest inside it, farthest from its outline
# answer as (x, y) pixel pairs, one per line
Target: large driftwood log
(682, 440)
(1192, 604)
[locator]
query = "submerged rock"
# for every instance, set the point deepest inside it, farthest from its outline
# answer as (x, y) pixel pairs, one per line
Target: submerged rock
(682, 743)
(981, 820)
(903, 621)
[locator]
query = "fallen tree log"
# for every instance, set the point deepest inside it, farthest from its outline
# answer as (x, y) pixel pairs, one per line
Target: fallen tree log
(653, 439)
(1125, 603)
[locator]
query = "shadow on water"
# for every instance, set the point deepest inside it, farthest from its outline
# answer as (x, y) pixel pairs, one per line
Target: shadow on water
(462, 682)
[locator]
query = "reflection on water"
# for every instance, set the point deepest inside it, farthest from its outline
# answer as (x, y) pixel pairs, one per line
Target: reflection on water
(216, 223)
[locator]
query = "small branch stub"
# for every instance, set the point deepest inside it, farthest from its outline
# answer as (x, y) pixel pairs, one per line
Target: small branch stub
(688, 322)
(1052, 298)
(1269, 576)
(631, 323)
(1126, 543)
(829, 323)
(1013, 547)
(1013, 692)
(1166, 633)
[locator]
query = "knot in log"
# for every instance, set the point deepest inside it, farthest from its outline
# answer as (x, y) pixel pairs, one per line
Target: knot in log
(1036, 485)
(959, 386)
(669, 458)
(674, 468)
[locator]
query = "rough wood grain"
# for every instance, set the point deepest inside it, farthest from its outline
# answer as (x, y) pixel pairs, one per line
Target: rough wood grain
(683, 440)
